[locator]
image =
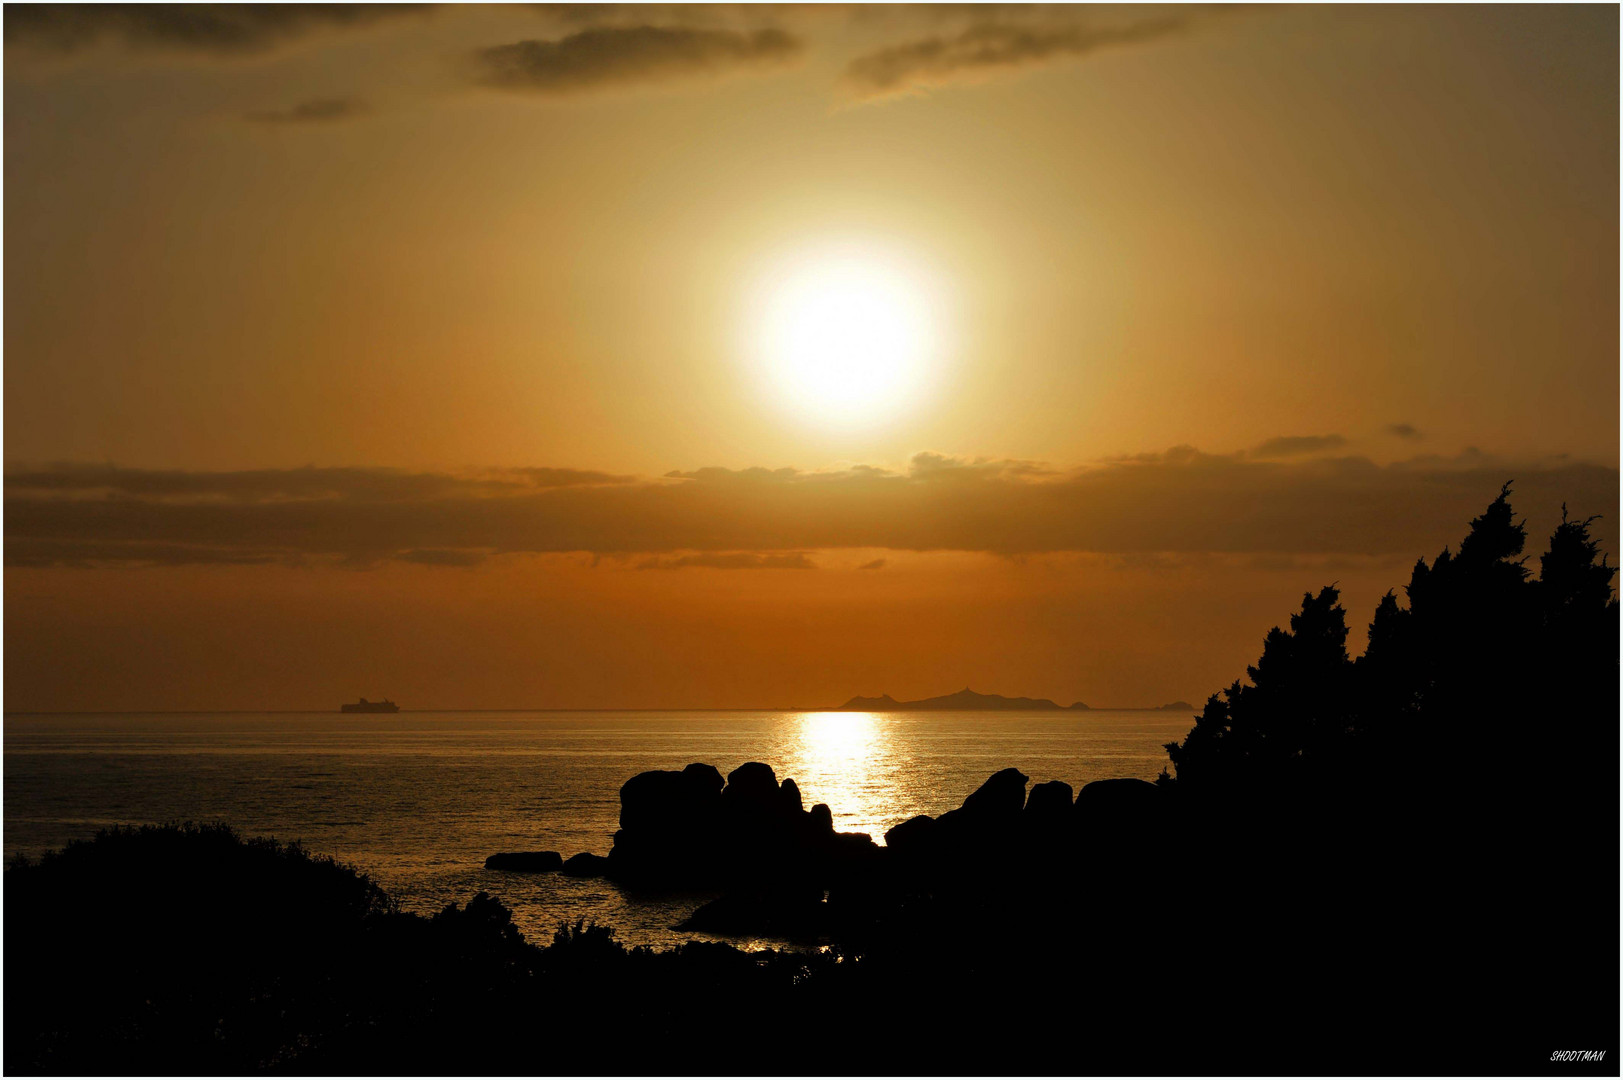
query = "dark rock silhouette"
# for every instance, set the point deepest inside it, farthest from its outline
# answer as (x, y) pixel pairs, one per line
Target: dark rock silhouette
(670, 802)
(586, 864)
(1049, 802)
(1116, 798)
(690, 829)
(752, 788)
(999, 799)
(668, 827)
(525, 862)
(911, 834)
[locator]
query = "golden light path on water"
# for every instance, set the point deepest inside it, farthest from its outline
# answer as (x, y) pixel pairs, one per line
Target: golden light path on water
(849, 761)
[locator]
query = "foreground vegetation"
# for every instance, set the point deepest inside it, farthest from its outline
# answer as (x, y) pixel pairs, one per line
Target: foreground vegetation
(1404, 863)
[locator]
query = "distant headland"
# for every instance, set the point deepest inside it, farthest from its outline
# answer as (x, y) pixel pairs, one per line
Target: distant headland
(967, 700)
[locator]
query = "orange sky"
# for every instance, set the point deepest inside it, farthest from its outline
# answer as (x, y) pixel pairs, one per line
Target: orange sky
(419, 352)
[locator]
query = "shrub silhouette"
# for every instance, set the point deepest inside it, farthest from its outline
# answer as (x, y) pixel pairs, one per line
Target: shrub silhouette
(205, 948)
(186, 949)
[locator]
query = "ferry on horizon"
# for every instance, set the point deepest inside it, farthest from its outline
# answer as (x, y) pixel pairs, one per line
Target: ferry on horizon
(370, 706)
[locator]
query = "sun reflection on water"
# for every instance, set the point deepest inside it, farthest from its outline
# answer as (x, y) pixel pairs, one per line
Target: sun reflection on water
(846, 759)
(833, 739)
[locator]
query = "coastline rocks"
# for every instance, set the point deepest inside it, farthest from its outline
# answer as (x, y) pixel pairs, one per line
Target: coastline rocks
(586, 865)
(668, 801)
(690, 829)
(774, 861)
(525, 862)
(705, 776)
(752, 784)
(782, 869)
(1049, 802)
(987, 818)
(1117, 819)
(669, 825)
(911, 836)
(1000, 799)
(1121, 798)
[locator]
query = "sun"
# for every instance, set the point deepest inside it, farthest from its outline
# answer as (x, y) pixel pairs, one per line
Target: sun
(845, 334)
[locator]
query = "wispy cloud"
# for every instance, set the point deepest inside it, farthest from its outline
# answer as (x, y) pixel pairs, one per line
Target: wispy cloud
(441, 557)
(318, 111)
(363, 485)
(1405, 431)
(605, 56)
(1298, 445)
(213, 29)
(991, 46)
(730, 560)
(1182, 500)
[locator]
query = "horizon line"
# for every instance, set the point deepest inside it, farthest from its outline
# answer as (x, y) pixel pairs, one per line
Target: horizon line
(548, 709)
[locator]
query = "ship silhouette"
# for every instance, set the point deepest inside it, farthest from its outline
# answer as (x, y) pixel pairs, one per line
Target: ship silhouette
(370, 706)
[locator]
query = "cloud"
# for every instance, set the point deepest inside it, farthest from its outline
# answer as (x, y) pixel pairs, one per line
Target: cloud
(1180, 501)
(990, 47)
(680, 14)
(1298, 445)
(731, 560)
(945, 467)
(321, 110)
(346, 484)
(877, 564)
(213, 29)
(441, 557)
(70, 552)
(1405, 431)
(604, 56)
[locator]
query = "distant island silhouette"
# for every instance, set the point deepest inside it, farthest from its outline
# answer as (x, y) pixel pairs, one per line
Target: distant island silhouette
(967, 700)
(963, 699)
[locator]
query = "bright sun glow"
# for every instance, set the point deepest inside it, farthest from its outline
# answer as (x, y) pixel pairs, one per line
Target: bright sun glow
(836, 740)
(846, 335)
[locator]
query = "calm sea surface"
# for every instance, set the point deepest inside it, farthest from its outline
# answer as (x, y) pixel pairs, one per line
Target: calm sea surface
(418, 799)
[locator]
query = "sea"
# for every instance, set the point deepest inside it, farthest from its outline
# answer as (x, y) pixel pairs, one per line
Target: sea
(417, 800)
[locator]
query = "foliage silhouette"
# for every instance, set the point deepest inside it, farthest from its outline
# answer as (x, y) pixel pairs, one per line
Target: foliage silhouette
(1451, 677)
(1425, 800)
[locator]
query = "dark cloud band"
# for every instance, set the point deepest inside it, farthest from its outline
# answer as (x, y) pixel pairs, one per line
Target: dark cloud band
(988, 47)
(216, 29)
(616, 55)
(1180, 501)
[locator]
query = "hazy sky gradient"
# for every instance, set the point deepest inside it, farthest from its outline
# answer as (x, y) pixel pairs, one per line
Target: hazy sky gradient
(1231, 302)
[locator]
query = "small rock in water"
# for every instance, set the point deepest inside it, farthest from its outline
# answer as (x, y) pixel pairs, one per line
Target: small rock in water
(525, 862)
